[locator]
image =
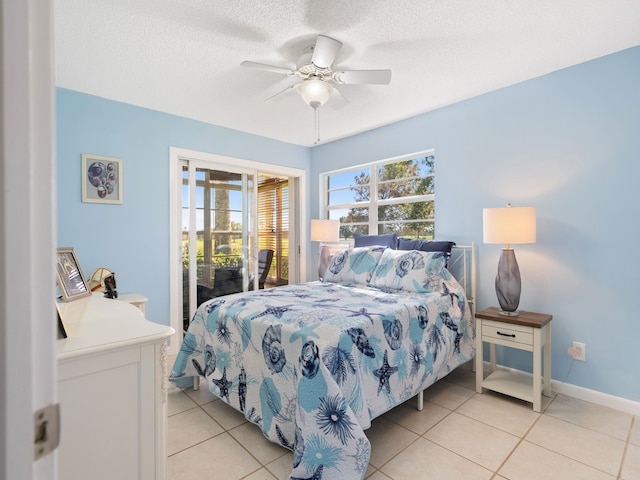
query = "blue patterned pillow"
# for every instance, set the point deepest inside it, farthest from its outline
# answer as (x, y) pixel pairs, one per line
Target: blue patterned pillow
(412, 271)
(353, 265)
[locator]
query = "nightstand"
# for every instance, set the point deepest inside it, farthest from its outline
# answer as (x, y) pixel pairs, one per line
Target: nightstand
(528, 331)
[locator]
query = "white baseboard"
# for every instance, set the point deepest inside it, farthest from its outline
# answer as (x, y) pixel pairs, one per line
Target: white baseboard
(581, 393)
(593, 396)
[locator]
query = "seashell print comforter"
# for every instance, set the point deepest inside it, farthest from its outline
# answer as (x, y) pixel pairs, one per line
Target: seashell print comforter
(312, 364)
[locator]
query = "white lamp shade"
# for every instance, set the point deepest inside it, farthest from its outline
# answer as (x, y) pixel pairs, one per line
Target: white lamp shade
(325, 230)
(509, 225)
(314, 92)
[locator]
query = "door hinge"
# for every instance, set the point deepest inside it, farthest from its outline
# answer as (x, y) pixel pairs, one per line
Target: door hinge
(46, 430)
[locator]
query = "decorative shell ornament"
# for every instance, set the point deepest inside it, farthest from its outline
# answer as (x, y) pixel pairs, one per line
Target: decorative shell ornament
(96, 281)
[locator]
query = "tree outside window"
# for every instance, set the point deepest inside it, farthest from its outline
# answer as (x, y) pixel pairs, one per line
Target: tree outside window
(385, 197)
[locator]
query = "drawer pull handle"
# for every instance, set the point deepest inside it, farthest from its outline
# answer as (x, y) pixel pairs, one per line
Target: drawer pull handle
(512, 335)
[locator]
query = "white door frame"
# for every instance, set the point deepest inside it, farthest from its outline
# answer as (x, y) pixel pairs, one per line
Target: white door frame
(176, 156)
(28, 329)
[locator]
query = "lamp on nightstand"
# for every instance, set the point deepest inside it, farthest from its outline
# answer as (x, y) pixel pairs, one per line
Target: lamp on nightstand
(324, 231)
(509, 225)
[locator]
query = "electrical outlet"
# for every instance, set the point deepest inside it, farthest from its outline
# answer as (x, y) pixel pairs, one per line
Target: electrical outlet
(580, 351)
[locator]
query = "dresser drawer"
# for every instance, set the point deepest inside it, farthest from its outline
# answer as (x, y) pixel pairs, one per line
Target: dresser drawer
(507, 333)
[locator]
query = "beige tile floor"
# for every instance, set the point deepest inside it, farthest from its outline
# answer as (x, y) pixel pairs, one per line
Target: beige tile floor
(459, 435)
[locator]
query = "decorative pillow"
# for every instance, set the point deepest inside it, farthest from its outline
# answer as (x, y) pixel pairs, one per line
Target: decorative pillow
(387, 240)
(412, 271)
(353, 265)
(425, 245)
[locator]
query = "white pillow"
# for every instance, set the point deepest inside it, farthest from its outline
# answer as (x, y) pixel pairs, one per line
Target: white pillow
(412, 271)
(353, 265)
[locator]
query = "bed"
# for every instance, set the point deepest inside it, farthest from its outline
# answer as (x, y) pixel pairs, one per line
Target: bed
(312, 364)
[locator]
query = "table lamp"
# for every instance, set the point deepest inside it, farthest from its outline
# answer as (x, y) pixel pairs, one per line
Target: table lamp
(509, 225)
(324, 231)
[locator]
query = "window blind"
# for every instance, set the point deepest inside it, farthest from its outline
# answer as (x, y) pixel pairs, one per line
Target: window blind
(273, 225)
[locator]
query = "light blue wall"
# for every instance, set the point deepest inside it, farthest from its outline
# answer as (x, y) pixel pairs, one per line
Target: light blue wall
(566, 143)
(132, 239)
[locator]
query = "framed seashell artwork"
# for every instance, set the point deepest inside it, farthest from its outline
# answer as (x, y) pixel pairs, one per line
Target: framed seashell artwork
(101, 179)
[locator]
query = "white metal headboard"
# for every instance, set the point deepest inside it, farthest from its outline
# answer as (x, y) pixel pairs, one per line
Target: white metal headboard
(462, 266)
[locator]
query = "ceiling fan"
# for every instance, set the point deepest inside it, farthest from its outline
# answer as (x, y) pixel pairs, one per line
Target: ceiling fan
(318, 77)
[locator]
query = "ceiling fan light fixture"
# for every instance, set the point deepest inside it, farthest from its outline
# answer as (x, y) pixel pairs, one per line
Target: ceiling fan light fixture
(314, 92)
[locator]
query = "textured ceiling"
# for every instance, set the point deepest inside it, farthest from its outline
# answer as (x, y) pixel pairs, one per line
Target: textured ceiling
(183, 56)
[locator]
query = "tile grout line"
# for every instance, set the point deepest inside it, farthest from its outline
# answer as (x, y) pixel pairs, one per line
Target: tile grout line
(442, 446)
(228, 432)
(612, 437)
(494, 474)
(421, 435)
(522, 438)
(418, 435)
(562, 454)
(379, 469)
(626, 447)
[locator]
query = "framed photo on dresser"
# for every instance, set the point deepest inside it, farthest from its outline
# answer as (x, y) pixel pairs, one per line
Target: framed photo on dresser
(62, 331)
(70, 277)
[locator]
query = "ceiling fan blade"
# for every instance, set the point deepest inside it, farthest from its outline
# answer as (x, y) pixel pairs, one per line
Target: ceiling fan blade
(374, 77)
(281, 93)
(268, 68)
(338, 99)
(325, 51)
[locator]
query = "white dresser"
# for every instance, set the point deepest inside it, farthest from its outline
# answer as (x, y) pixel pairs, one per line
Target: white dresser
(112, 390)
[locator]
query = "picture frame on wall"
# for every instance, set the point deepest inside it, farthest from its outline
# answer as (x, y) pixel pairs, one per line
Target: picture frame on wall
(101, 179)
(70, 277)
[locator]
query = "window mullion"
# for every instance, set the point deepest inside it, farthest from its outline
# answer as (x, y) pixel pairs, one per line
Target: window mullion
(412, 199)
(373, 200)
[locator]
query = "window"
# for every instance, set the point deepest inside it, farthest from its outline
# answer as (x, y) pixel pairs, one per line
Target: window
(384, 197)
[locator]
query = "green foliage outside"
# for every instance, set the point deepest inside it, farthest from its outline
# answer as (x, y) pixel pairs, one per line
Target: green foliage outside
(231, 257)
(395, 181)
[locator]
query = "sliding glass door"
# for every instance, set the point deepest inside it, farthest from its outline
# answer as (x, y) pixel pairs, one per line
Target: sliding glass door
(235, 224)
(218, 233)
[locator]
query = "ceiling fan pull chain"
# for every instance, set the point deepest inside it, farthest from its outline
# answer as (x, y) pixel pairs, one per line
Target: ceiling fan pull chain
(316, 111)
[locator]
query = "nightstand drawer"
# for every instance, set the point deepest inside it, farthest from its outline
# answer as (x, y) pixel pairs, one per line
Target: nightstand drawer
(509, 333)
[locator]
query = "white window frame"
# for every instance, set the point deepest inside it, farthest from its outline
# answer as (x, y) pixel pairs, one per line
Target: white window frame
(373, 203)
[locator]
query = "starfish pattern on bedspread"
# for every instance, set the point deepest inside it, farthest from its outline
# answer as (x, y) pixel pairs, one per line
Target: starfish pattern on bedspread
(223, 384)
(362, 312)
(384, 374)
